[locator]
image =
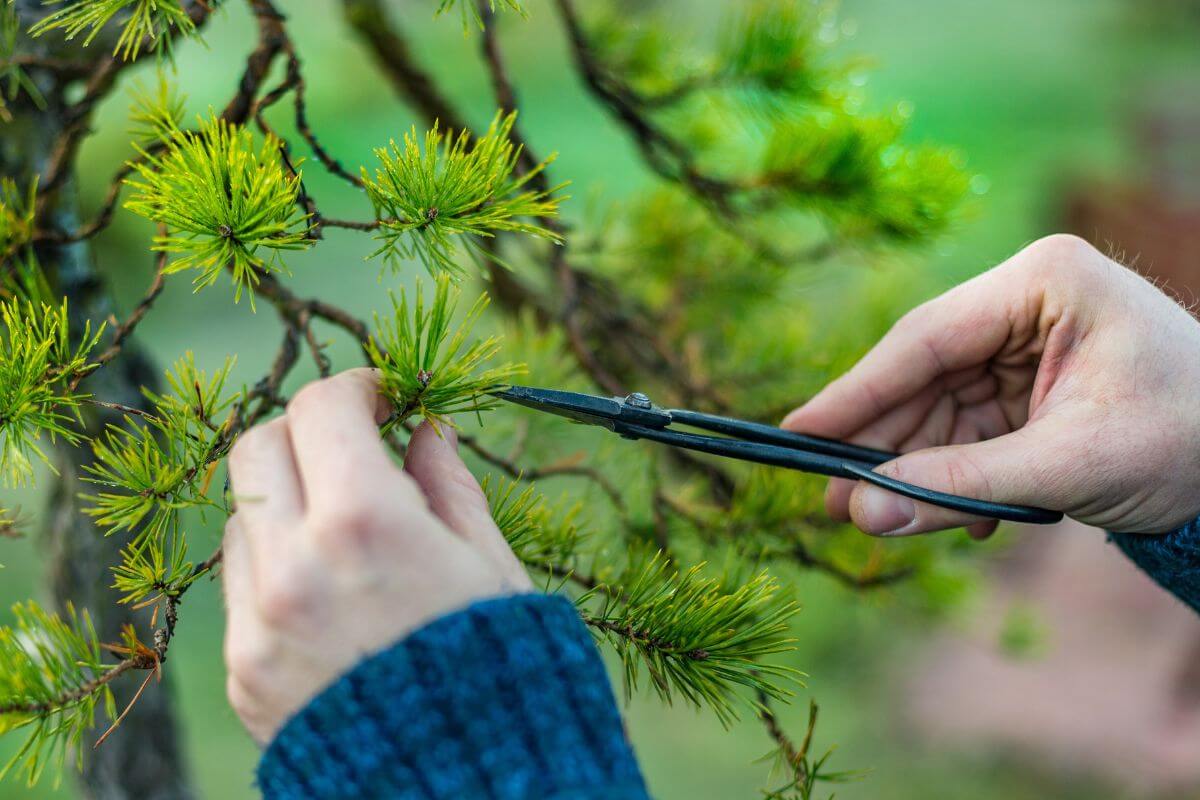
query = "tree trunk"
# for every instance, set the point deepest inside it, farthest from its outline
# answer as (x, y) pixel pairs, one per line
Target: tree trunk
(143, 760)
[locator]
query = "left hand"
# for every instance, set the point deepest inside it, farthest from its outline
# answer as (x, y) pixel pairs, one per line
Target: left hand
(335, 553)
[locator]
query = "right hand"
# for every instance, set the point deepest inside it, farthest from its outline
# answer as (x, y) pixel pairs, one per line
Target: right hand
(1058, 379)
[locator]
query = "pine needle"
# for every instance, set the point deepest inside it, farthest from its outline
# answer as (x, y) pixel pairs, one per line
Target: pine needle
(429, 368)
(433, 198)
(224, 202)
(144, 21)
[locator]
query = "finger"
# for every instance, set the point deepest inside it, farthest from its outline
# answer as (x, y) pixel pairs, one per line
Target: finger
(1021, 468)
(237, 578)
(982, 530)
(334, 428)
(455, 496)
(263, 475)
(957, 410)
(959, 330)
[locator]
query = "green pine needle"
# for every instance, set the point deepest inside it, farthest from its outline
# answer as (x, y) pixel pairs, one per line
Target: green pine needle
(430, 198)
(470, 11)
(222, 201)
(144, 21)
(48, 665)
(157, 568)
(37, 361)
(156, 465)
(777, 46)
(17, 210)
(696, 637)
(429, 368)
(156, 113)
(13, 78)
(854, 170)
(541, 536)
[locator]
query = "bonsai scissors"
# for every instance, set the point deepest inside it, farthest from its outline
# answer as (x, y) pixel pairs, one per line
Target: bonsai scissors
(636, 417)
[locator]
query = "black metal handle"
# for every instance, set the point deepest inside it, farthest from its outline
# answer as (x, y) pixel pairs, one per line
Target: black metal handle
(768, 434)
(834, 466)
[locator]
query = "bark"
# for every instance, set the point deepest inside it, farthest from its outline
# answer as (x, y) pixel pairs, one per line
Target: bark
(144, 758)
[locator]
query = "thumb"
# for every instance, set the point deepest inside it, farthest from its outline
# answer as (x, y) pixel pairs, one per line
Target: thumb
(455, 496)
(1008, 469)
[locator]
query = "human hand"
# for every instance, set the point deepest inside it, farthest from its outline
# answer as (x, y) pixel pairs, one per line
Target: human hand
(1058, 379)
(335, 553)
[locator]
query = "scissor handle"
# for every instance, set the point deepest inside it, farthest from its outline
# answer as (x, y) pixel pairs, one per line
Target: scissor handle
(768, 434)
(833, 466)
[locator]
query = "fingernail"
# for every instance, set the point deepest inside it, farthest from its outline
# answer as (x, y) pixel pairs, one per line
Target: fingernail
(884, 513)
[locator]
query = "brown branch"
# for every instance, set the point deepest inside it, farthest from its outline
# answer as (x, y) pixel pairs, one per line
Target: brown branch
(78, 693)
(79, 115)
(391, 52)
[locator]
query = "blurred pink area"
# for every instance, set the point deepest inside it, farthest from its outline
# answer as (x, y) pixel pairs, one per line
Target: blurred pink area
(1116, 692)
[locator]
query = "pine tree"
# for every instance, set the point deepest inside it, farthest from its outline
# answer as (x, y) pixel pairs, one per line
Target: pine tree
(764, 166)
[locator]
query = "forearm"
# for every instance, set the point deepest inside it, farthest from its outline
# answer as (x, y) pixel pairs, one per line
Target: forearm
(506, 700)
(1172, 560)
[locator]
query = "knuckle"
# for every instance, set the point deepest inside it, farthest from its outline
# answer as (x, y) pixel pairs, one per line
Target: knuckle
(312, 396)
(240, 699)
(350, 522)
(248, 661)
(250, 442)
(1063, 252)
(284, 599)
(462, 479)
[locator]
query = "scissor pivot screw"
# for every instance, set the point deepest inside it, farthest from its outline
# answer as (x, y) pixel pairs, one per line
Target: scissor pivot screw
(638, 400)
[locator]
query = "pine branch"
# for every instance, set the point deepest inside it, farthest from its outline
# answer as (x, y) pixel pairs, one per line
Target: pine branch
(52, 681)
(390, 49)
(541, 536)
(37, 365)
(805, 772)
(430, 370)
(151, 469)
(696, 637)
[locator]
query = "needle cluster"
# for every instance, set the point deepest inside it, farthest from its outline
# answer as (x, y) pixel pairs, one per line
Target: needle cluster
(159, 462)
(433, 197)
(226, 203)
(37, 365)
(696, 637)
(428, 365)
(49, 666)
(470, 10)
(13, 78)
(856, 171)
(146, 22)
(542, 537)
(16, 217)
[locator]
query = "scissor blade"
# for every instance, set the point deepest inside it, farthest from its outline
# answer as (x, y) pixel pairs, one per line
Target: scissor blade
(593, 410)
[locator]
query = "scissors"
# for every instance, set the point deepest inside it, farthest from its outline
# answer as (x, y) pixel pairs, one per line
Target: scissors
(636, 417)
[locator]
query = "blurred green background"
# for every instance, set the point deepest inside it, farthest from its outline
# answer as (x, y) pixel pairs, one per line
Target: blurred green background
(1033, 92)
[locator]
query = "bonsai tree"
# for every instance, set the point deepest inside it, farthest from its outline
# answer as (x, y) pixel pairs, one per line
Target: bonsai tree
(764, 166)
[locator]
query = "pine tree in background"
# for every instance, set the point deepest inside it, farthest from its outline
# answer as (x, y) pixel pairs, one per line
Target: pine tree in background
(764, 166)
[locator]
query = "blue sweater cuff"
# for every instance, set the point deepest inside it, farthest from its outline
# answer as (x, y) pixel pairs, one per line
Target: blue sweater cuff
(1171, 559)
(505, 700)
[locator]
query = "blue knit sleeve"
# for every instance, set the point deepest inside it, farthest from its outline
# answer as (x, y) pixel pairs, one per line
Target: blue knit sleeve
(505, 700)
(1172, 559)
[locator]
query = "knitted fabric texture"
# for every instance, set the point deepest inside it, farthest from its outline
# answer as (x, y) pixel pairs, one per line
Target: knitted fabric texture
(505, 700)
(1172, 559)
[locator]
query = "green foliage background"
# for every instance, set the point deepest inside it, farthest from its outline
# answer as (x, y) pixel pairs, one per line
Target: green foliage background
(1028, 89)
